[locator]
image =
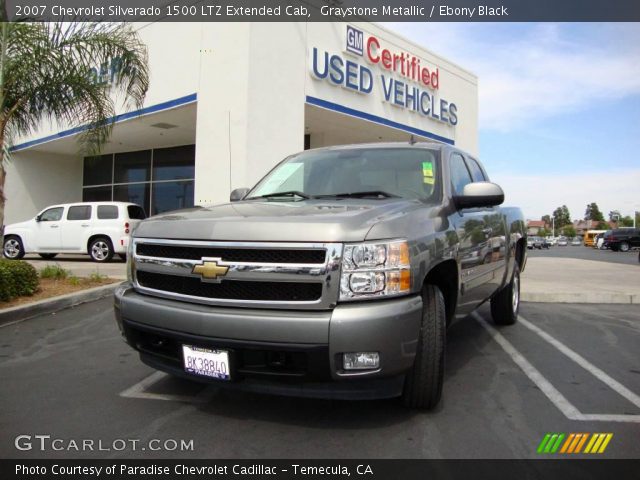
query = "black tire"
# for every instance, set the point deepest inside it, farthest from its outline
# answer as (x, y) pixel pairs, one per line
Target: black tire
(48, 256)
(506, 303)
(12, 247)
(423, 383)
(624, 247)
(101, 250)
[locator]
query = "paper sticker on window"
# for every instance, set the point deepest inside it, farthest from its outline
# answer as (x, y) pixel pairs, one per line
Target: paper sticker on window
(287, 177)
(427, 173)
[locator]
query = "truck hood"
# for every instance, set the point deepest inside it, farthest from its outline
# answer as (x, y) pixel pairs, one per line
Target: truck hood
(342, 220)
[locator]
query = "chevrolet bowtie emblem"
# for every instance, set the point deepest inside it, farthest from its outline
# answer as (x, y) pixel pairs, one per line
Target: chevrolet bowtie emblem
(210, 270)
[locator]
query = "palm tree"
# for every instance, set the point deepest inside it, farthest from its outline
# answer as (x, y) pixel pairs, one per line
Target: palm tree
(45, 75)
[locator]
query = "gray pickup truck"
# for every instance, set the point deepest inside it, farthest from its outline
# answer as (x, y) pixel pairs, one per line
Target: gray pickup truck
(336, 276)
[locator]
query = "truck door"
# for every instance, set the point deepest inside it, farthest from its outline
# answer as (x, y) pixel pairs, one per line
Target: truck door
(475, 234)
(494, 227)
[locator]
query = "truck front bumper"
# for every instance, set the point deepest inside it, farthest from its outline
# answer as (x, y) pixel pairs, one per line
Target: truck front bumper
(279, 351)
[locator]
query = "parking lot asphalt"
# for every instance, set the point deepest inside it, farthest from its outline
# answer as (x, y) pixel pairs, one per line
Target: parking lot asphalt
(586, 253)
(562, 369)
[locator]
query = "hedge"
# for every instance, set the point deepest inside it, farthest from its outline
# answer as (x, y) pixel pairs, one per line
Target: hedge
(17, 278)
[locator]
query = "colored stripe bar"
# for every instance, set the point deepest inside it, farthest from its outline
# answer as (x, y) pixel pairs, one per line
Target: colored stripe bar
(591, 442)
(543, 443)
(554, 449)
(584, 439)
(605, 443)
(567, 443)
(551, 442)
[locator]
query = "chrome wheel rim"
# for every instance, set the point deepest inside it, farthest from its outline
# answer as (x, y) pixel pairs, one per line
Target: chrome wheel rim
(624, 247)
(515, 294)
(11, 248)
(100, 250)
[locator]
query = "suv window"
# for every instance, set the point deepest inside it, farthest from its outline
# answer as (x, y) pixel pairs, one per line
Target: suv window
(107, 212)
(459, 173)
(79, 212)
(135, 212)
(52, 215)
(476, 171)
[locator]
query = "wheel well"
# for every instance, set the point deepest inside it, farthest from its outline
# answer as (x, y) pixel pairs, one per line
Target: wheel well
(445, 277)
(99, 235)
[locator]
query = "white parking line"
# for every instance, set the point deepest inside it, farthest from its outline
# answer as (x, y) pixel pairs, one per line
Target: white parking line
(584, 363)
(139, 391)
(551, 392)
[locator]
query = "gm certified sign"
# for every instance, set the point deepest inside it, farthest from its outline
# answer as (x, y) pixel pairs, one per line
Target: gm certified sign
(355, 40)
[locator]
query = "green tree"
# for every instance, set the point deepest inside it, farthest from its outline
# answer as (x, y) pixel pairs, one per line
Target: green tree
(45, 74)
(569, 231)
(546, 219)
(562, 216)
(593, 213)
(626, 221)
(602, 226)
(615, 216)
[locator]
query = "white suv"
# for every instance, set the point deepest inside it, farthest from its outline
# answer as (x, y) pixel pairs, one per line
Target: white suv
(100, 229)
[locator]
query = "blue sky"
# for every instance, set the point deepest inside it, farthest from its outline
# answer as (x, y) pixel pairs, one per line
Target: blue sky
(559, 108)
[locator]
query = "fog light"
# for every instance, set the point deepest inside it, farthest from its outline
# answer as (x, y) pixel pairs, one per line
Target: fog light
(360, 360)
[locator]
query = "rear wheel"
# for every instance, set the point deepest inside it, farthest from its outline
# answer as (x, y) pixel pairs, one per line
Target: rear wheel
(624, 247)
(13, 248)
(48, 256)
(423, 384)
(101, 250)
(506, 303)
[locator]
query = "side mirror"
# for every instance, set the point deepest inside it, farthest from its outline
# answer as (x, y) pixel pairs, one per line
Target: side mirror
(38, 218)
(479, 194)
(238, 194)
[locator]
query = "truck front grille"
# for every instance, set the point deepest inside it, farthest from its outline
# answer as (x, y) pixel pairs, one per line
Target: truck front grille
(249, 255)
(232, 290)
(239, 274)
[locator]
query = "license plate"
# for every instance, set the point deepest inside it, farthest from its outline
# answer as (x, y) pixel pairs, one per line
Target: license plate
(206, 362)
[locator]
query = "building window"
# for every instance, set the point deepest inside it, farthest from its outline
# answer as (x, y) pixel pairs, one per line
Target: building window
(172, 195)
(158, 180)
(175, 163)
(98, 170)
(137, 193)
(132, 167)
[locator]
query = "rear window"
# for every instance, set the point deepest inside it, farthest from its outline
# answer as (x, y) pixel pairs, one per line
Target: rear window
(79, 212)
(107, 212)
(136, 212)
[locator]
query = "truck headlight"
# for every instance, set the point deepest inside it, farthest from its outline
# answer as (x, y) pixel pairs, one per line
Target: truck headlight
(375, 269)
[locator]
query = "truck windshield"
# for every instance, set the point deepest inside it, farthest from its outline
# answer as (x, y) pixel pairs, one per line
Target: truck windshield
(360, 172)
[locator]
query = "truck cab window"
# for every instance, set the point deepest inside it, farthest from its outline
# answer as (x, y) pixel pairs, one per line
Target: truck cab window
(459, 173)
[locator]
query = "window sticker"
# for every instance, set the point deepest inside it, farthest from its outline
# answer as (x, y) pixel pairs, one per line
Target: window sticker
(279, 178)
(427, 173)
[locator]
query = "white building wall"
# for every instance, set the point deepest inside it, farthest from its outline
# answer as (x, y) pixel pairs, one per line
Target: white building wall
(37, 179)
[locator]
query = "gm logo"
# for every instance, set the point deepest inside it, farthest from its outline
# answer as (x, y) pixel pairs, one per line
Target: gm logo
(355, 40)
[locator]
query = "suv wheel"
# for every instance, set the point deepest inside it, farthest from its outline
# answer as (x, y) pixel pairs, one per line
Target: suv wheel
(624, 247)
(12, 248)
(100, 249)
(48, 256)
(423, 383)
(506, 303)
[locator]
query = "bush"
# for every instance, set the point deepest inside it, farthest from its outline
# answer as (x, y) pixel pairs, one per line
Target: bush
(17, 278)
(54, 271)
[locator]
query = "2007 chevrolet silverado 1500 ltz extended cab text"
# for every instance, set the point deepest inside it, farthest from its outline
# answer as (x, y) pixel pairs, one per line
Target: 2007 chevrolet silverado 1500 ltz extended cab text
(335, 276)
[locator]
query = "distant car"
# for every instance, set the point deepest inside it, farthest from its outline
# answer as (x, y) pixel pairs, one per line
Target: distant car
(622, 239)
(546, 243)
(563, 242)
(99, 229)
(576, 242)
(530, 243)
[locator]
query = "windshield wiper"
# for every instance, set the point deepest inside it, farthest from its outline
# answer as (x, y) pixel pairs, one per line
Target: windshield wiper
(289, 193)
(371, 193)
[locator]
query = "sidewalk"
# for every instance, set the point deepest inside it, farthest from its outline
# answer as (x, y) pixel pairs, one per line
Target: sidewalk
(81, 265)
(568, 280)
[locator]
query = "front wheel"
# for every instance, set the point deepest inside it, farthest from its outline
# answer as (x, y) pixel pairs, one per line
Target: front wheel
(624, 247)
(13, 248)
(101, 250)
(423, 384)
(506, 303)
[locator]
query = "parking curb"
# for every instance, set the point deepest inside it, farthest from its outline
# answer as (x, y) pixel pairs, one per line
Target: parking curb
(591, 297)
(54, 304)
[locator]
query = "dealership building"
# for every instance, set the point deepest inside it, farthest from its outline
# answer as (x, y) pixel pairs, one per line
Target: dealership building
(227, 101)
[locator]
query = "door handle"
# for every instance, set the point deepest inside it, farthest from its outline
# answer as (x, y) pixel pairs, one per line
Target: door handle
(53, 226)
(85, 225)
